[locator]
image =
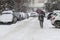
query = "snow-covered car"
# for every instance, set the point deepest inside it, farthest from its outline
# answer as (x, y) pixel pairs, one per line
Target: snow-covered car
(24, 15)
(29, 14)
(21, 15)
(18, 16)
(55, 20)
(7, 16)
(34, 14)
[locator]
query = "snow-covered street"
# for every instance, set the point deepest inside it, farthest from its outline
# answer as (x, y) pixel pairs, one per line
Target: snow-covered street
(29, 29)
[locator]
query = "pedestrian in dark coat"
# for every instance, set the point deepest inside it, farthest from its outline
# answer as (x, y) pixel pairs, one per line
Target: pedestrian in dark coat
(41, 16)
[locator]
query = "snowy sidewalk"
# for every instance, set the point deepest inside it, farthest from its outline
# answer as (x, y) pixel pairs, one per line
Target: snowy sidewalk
(47, 24)
(31, 31)
(26, 33)
(6, 29)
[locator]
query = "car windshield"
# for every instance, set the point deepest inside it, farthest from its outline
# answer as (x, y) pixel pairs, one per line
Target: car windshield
(6, 13)
(56, 13)
(32, 13)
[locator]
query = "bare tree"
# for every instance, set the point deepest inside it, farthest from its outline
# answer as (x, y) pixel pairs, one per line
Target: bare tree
(13, 4)
(53, 5)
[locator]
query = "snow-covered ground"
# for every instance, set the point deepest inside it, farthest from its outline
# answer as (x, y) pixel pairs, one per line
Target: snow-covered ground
(29, 29)
(4, 28)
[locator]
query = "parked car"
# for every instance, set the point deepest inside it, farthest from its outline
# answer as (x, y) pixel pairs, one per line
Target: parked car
(18, 16)
(7, 16)
(34, 14)
(24, 15)
(21, 15)
(29, 14)
(55, 20)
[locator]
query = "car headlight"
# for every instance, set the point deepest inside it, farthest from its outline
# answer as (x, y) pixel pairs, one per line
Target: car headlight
(53, 18)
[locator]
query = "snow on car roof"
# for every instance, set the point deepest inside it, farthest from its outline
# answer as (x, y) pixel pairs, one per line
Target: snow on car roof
(56, 11)
(9, 11)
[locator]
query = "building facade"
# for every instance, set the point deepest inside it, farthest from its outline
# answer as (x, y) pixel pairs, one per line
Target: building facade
(37, 3)
(34, 4)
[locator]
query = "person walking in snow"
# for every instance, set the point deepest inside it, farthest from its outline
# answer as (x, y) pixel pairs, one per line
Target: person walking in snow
(41, 17)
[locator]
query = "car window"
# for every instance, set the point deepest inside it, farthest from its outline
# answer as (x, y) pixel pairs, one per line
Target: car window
(55, 14)
(6, 13)
(32, 13)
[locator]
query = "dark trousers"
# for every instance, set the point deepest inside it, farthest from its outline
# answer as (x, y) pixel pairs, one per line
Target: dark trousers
(41, 24)
(41, 20)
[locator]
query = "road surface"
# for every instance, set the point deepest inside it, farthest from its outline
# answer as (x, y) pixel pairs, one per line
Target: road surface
(29, 29)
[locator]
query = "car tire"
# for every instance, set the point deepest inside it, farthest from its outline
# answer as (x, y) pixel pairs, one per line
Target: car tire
(55, 25)
(20, 18)
(14, 20)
